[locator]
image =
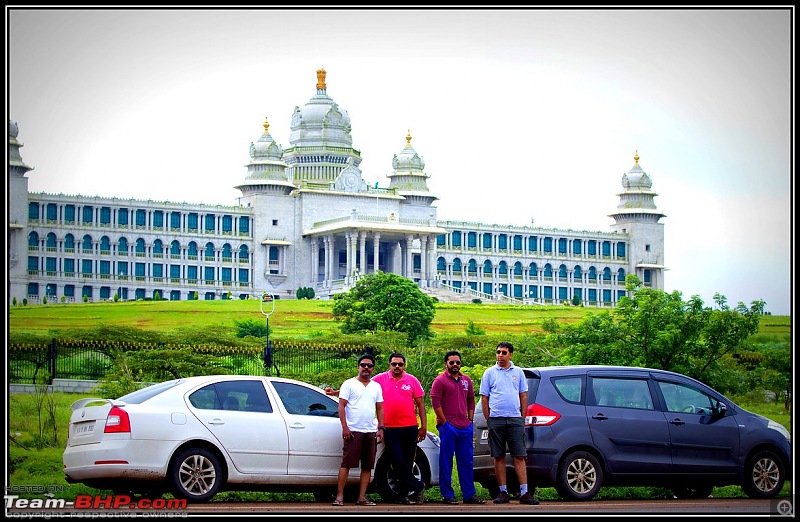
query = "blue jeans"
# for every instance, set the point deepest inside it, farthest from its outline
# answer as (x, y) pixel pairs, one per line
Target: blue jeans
(458, 442)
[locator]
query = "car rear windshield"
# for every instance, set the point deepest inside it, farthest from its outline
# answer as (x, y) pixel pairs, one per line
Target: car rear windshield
(139, 396)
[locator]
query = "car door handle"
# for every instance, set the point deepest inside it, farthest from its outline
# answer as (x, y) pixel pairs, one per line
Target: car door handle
(600, 416)
(298, 426)
(216, 422)
(677, 422)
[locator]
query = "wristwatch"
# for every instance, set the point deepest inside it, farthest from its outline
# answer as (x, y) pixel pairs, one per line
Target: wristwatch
(382, 428)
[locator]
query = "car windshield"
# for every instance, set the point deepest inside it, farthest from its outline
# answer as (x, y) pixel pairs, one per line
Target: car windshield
(139, 396)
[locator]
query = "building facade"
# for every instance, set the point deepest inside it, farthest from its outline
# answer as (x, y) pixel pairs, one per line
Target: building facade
(307, 218)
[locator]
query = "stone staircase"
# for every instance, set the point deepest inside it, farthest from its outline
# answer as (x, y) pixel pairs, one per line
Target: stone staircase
(445, 295)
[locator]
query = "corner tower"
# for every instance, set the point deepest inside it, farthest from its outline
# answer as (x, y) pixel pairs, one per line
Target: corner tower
(638, 217)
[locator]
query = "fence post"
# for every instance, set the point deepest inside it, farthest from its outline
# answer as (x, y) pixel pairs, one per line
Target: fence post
(52, 355)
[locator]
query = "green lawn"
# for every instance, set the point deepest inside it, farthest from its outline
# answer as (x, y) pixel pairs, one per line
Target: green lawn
(298, 317)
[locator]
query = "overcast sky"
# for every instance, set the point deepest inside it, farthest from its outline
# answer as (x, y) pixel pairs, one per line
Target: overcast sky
(521, 115)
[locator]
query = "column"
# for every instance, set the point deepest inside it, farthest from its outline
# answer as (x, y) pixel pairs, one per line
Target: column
(362, 246)
(376, 250)
(314, 260)
(408, 263)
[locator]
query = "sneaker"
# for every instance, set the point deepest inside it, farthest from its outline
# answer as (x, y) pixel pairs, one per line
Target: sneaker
(419, 496)
(474, 500)
(450, 501)
(527, 498)
(502, 498)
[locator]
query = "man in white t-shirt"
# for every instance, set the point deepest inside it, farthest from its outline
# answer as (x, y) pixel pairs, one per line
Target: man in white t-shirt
(361, 415)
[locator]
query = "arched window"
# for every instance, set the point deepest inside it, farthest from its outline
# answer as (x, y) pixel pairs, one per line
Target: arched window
(517, 268)
(577, 273)
(502, 268)
(51, 242)
(175, 249)
(122, 246)
(457, 265)
(440, 264)
(86, 244)
(69, 243)
(227, 253)
(487, 267)
(140, 249)
(472, 267)
(105, 245)
(209, 252)
(191, 250)
(158, 248)
(244, 254)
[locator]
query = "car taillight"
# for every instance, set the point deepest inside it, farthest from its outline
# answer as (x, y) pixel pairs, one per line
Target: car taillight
(117, 421)
(538, 415)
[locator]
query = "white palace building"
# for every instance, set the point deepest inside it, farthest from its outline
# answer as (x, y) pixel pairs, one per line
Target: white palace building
(307, 218)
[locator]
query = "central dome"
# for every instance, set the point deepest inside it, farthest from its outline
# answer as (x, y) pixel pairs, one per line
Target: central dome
(321, 121)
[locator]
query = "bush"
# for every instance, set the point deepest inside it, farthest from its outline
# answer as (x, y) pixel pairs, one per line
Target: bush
(476, 301)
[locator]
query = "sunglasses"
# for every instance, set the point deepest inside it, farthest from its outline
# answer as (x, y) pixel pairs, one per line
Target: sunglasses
(366, 365)
(454, 363)
(398, 364)
(502, 352)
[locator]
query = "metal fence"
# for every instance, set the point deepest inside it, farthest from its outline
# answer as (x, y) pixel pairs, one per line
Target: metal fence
(65, 359)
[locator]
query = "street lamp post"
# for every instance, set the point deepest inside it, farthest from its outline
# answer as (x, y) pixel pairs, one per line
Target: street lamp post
(119, 291)
(268, 301)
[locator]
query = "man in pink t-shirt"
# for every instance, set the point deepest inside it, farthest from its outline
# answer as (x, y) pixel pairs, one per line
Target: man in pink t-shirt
(403, 401)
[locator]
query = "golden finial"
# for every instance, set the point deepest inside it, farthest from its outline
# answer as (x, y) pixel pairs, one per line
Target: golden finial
(321, 79)
(636, 158)
(408, 139)
(266, 126)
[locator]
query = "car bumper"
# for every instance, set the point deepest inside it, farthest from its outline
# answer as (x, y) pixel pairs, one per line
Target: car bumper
(122, 459)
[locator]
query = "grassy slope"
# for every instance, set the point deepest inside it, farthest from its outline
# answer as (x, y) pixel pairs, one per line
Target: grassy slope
(293, 318)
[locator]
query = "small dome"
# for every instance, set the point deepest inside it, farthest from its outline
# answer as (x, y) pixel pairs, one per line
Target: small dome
(408, 159)
(265, 148)
(636, 178)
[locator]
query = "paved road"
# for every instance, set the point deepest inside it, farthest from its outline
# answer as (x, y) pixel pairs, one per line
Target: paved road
(663, 507)
(595, 507)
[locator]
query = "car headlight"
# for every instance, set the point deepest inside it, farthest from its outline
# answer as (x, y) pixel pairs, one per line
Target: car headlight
(434, 438)
(780, 428)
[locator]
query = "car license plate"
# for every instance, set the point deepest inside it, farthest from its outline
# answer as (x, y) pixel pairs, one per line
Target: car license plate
(84, 428)
(485, 435)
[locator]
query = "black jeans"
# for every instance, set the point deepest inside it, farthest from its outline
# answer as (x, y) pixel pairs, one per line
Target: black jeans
(401, 446)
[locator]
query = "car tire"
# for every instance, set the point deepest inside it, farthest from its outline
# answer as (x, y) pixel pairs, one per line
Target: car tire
(688, 492)
(580, 476)
(196, 475)
(385, 480)
(763, 475)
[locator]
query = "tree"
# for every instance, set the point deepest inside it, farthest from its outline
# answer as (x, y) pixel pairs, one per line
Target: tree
(385, 302)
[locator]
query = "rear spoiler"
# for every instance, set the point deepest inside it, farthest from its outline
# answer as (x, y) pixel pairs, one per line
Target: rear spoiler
(83, 402)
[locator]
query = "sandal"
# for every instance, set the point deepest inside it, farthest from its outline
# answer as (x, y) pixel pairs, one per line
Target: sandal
(338, 502)
(365, 502)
